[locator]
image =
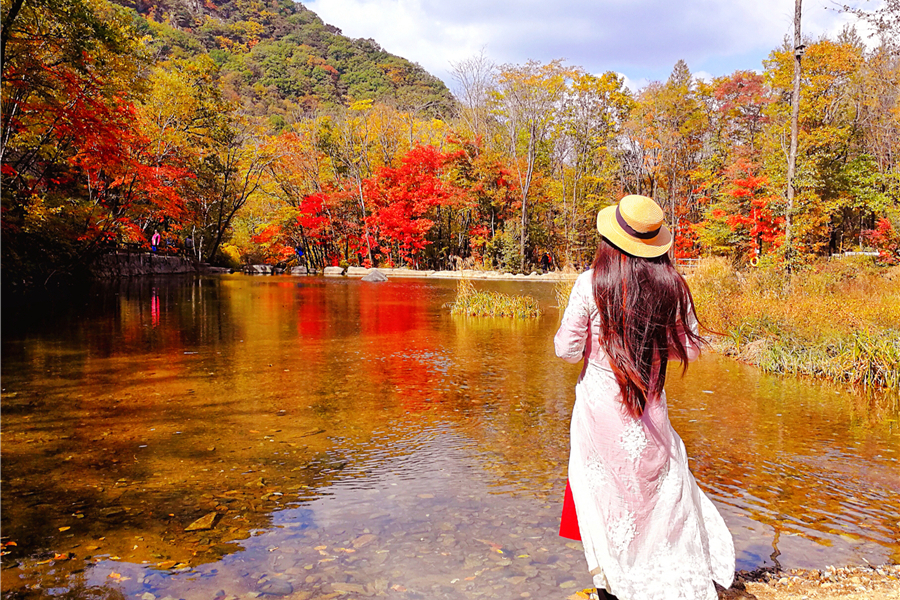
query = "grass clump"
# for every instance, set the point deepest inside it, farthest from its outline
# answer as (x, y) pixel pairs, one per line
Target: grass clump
(838, 318)
(562, 290)
(470, 302)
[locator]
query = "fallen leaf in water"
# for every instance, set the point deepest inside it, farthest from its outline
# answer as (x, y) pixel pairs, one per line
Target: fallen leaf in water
(64, 528)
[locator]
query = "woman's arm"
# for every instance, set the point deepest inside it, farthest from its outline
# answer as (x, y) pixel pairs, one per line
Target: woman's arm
(575, 326)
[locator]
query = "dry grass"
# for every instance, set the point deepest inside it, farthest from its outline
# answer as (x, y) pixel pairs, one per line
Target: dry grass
(838, 319)
(473, 303)
(562, 290)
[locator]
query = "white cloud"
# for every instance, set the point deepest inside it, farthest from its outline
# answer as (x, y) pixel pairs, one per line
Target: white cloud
(641, 38)
(634, 85)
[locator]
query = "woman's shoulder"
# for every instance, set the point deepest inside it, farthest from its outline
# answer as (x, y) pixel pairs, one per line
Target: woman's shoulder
(585, 278)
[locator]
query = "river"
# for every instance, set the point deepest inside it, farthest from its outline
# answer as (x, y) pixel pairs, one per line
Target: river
(355, 439)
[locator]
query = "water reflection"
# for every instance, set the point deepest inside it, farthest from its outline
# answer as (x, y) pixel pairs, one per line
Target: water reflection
(356, 437)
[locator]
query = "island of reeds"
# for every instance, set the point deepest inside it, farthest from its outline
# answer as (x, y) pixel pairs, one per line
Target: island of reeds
(472, 303)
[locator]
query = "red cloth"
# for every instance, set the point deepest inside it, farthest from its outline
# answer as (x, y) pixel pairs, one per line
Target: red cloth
(568, 526)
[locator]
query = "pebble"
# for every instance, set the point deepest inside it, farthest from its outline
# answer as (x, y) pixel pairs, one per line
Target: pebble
(277, 587)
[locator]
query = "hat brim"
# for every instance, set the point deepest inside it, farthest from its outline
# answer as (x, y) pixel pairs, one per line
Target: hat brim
(612, 231)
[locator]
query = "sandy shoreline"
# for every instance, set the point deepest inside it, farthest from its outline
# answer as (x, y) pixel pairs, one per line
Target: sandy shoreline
(464, 273)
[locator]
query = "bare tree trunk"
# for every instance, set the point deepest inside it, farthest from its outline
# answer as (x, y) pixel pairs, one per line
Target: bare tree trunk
(795, 117)
(362, 203)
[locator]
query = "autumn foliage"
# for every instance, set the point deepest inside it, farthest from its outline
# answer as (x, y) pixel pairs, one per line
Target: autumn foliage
(117, 123)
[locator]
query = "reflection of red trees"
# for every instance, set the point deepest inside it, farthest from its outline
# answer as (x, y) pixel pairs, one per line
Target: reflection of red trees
(403, 359)
(388, 309)
(311, 313)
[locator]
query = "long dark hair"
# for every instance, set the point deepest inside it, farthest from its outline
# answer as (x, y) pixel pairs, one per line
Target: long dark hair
(641, 302)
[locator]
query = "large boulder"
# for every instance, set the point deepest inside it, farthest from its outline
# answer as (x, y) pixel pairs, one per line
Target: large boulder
(299, 271)
(334, 272)
(375, 276)
(258, 269)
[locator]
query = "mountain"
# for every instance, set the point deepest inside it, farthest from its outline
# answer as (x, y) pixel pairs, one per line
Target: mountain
(278, 57)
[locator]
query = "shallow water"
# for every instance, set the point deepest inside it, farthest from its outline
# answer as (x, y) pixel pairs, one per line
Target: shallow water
(356, 439)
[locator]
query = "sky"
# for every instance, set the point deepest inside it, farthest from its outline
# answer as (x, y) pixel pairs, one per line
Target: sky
(640, 39)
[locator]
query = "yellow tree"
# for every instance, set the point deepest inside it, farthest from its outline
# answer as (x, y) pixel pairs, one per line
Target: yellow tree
(593, 114)
(831, 166)
(527, 101)
(664, 143)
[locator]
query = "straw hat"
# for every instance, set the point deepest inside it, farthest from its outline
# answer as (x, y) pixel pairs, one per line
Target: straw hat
(635, 225)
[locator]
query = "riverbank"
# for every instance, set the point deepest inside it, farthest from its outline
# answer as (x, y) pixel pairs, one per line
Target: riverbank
(461, 274)
(119, 265)
(831, 583)
(839, 319)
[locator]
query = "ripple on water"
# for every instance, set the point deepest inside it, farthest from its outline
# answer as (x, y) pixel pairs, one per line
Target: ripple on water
(353, 436)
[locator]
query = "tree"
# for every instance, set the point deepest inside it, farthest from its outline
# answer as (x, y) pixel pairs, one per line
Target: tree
(404, 198)
(228, 173)
(75, 161)
(527, 101)
(664, 144)
(594, 112)
(474, 79)
(795, 113)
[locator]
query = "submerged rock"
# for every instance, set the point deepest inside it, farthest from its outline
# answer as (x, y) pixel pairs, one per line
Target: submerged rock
(277, 587)
(203, 523)
(375, 276)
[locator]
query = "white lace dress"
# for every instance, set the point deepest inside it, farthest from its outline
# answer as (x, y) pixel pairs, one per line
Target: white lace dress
(648, 531)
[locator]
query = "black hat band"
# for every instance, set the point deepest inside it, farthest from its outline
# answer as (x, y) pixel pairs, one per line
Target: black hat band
(649, 235)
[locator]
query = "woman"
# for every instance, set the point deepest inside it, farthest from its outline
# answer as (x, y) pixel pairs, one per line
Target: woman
(648, 531)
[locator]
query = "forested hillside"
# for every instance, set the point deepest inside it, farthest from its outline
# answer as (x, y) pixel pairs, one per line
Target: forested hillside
(278, 57)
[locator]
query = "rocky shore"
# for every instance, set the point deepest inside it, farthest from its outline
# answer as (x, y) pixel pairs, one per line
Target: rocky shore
(118, 265)
(831, 583)
(847, 583)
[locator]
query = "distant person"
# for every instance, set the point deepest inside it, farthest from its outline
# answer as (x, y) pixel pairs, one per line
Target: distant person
(648, 531)
(545, 262)
(189, 246)
(154, 240)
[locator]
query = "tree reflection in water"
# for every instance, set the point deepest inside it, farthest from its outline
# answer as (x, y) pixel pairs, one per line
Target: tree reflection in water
(357, 434)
